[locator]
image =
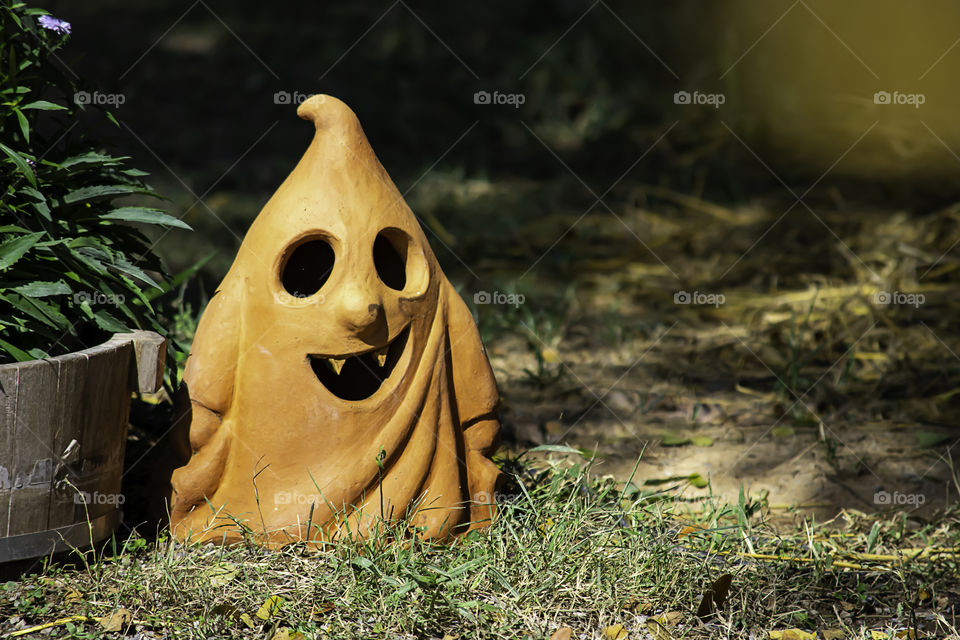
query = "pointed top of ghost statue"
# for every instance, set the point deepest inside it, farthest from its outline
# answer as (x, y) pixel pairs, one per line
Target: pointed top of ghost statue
(339, 139)
(327, 112)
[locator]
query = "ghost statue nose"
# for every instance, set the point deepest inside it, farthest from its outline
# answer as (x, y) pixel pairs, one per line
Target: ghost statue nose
(360, 309)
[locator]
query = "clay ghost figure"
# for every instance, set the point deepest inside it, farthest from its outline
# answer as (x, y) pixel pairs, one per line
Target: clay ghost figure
(336, 378)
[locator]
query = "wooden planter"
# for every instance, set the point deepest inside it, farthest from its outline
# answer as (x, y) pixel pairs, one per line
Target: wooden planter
(63, 430)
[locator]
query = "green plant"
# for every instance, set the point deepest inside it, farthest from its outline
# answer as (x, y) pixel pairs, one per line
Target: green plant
(74, 266)
(792, 382)
(544, 333)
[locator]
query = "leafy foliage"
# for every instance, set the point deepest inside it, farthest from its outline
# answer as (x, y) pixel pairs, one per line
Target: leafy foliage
(74, 266)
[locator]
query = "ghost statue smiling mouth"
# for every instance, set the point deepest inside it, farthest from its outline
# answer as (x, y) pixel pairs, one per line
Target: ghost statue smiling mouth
(336, 379)
(358, 376)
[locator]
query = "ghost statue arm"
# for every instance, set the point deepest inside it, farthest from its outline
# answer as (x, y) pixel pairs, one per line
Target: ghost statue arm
(475, 390)
(209, 375)
(209, 382)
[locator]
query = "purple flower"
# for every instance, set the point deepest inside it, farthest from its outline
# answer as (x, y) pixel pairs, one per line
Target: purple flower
(54, 24)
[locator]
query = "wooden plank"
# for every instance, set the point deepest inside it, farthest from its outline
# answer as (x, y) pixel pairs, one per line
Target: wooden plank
(118, 427)
(8, 411)
(150, 350)
(104, 430)
(68, 427)
(115, 430)
(34, 459)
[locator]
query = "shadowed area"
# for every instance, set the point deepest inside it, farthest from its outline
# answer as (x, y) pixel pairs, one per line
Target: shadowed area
(699, 236)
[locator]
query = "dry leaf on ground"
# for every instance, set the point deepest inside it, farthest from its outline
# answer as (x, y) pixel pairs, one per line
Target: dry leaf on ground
(116, 621)
(563, 633)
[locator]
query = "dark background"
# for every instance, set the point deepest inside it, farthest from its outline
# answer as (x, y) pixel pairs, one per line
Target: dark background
(600, 198)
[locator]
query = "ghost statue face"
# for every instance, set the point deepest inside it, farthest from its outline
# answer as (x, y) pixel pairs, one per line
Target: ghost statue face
(367, 289)
(336, 379)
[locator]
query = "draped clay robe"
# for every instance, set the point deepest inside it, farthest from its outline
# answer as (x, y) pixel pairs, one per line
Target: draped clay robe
(337, 379)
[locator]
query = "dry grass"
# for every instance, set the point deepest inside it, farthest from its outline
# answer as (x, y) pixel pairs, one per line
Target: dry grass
(570, 549)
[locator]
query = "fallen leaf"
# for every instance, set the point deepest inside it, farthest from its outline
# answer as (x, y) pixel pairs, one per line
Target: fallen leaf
(546, 526)
(563, 633)
(269, 607)
(792, 634)
(283, 633)
(673, 440)
(658, 630)
(930, 438)
(658, 481)
(669, 618)
(247, 620)
(904, 634)
(833, 634)
(694, 478)
(701, 441)
(72, 596)
(715, 596)
(782, 431)
(556, 448)
(687, 530)
(221, 575)
(555, 427)
(615, 632)
(116, 621)
(550, 355)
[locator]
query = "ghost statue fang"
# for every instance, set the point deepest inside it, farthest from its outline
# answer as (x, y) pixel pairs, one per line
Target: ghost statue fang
(337, 379)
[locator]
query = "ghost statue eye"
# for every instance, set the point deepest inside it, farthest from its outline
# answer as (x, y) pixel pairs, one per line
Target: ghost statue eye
(307, 267)
(390, 258)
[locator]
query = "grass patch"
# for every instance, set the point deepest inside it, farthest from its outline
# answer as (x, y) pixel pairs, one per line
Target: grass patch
(568, 549)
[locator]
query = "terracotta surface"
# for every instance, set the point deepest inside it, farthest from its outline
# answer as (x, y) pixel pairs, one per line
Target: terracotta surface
(336, 265)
